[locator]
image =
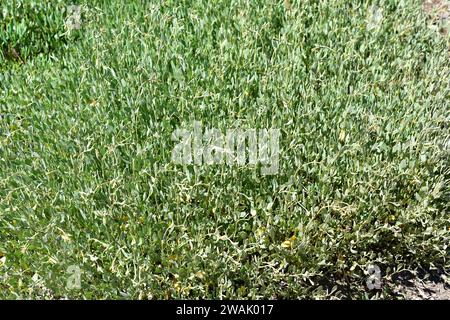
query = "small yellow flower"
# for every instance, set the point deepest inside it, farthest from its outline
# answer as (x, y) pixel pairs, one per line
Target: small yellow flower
(172, 257)
(260, 232)
(286, 244)
(289, 242)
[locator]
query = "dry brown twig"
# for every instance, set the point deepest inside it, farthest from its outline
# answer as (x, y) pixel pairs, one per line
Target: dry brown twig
(13, 54)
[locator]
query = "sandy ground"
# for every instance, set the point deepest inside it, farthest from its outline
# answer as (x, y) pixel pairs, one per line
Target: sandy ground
(422, 285)
(425, 291)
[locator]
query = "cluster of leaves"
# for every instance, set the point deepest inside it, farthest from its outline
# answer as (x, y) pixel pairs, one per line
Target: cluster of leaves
(86, 176)
(29, 28)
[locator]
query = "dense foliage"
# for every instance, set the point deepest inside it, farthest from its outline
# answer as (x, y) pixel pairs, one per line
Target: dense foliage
(86, 176)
